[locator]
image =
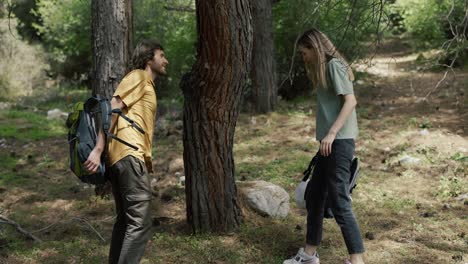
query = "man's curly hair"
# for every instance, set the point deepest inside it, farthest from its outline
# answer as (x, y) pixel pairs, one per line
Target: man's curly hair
(144, 52)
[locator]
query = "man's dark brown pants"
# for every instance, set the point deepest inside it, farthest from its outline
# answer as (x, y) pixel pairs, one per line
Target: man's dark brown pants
(132, 194)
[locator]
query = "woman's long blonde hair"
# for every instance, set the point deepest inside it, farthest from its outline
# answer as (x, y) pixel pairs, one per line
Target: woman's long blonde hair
(319, 43)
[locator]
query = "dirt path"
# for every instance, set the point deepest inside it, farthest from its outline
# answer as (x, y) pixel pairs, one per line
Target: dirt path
(418, 209)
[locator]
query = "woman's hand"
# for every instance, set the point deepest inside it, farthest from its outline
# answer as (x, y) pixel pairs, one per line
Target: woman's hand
(93, 161)
(326, 144)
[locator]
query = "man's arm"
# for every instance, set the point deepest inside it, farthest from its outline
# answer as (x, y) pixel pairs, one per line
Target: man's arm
(94, 159)
(116, 102)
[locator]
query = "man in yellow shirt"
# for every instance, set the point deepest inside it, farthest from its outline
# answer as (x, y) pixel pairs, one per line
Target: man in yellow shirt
(128, 168)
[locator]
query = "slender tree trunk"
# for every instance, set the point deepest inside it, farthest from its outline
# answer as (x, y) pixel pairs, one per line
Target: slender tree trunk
(263, 73)
(111, 25)
(212, 92)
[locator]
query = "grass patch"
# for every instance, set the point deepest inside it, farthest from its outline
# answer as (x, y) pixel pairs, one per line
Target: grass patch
(25, 125)
(62, 98)
(205, 248)
(8, 165)
(75, 251)
(451, 186)
(271, 163)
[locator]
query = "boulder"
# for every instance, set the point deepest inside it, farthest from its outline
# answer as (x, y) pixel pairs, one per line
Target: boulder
(176, 165)
(56, 114)
(265, 198)
(408, 160)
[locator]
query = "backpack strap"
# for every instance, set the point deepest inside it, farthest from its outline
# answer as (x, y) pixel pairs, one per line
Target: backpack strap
(311, 166)
(132, 123)
(109, 134)
(354, 174)
(106, 117)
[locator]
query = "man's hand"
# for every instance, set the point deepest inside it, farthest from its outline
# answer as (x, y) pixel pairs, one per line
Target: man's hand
(93, 161)
(326, 144)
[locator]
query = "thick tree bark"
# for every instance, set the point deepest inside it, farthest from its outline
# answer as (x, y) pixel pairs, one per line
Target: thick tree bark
(212, 92)
(263, 73)
(111, 25)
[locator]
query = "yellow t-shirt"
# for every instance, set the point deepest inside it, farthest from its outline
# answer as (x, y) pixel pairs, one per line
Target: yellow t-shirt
(137, 92)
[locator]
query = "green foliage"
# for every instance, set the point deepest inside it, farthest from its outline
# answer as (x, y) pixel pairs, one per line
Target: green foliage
(459, 156)
(66, 30)
(451, 186)
(424, 23)
(176, 30)
(23, 11)
(434, 24)
(7, 165)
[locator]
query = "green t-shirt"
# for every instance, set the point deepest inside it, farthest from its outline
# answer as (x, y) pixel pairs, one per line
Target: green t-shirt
(329, 103)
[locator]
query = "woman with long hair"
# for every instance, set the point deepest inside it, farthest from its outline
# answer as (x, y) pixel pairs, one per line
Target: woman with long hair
(336, 129)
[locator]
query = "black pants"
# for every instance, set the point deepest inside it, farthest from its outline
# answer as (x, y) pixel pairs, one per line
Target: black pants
(132, 194)
(330, 180)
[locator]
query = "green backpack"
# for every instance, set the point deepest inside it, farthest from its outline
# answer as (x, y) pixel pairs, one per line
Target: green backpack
(83, 125)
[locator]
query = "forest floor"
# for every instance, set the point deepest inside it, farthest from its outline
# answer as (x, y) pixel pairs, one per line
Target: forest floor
(411, 201)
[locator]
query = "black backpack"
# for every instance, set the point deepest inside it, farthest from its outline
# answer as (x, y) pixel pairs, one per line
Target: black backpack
(83, 125)
(353, 177)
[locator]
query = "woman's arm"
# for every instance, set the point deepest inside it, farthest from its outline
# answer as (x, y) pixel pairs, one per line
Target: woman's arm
(348, 107)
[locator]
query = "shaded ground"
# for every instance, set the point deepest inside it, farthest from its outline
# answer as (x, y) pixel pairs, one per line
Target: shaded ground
(414, 213)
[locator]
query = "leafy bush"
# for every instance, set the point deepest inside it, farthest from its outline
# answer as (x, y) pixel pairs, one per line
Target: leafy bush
(426, 24)
(430, 23)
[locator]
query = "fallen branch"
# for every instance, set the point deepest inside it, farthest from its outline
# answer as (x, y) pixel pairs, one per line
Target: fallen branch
(75, 219)
(4, 220)
(90, 226)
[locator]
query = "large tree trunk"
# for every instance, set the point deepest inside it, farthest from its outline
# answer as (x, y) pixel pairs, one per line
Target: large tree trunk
(212, 92)
(111, 25)
(263, 74)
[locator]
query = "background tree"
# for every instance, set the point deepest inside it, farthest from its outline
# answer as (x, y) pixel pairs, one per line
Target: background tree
(65, 29)
(111, 43)
(173, 26)
(212, 92)
(263, 73)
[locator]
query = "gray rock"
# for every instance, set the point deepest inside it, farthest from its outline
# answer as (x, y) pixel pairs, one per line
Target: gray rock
(182, 180)
(253, 121)
(408, 160)
(265, 198)
(462, 197)
(56, 114)
(176, 165)
(3, 142)
(5, 106)
(179, 125)
(424, 132)
(153, 182)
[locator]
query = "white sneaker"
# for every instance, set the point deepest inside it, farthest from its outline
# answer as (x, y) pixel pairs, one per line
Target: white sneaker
(303, 258)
